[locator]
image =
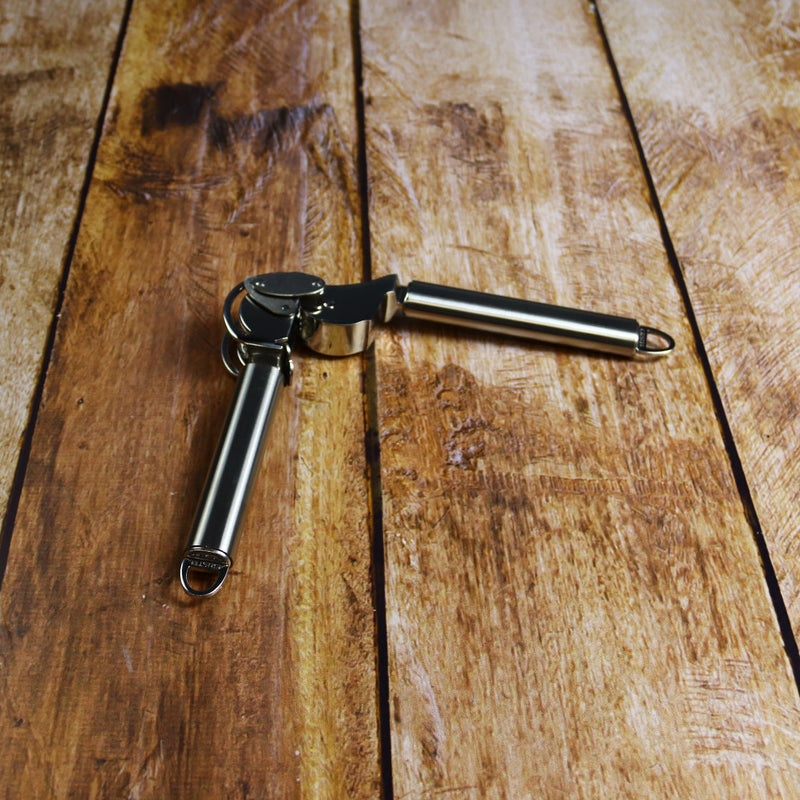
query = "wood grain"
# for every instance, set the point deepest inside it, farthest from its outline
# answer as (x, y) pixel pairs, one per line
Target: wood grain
(228, 150)
(575, 604)
(723, 152)
(56, 57)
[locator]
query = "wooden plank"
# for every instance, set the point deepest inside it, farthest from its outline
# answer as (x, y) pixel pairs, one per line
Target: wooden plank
(716, 106)
(573, 592)
(228, 150)
(55, 60)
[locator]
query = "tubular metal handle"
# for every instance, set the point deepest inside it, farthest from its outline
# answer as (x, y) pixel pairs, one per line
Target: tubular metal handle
(530, 320)
(212, 541)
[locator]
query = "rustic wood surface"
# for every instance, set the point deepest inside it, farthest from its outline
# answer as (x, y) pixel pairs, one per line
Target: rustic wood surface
(575, 603)
(53, 70)
(717, 104)
(572, 602)
(228, 149)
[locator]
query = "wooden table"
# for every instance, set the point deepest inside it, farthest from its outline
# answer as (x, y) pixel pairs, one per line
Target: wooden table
(472, 568)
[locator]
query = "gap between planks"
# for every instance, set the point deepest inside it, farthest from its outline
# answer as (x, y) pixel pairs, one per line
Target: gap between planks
(770, 577)
(372, 450)
(23, 457)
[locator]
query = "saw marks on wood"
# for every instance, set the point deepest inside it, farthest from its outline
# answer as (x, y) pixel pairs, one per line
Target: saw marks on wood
(228, 150)
(572, 584)
(723, 152)
(56, 60)
(574, 604)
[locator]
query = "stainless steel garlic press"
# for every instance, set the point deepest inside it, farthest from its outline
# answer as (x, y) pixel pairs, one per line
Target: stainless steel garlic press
(267, 315)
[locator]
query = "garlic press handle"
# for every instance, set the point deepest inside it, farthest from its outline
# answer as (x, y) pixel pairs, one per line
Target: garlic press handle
(212, 542)
(527, 319)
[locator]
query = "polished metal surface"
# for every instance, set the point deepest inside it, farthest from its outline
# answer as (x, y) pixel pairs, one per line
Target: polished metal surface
(203, 571)
(524, 319)
(653, 342)
(214, 536)
(284, 284)
(266, 315)
(343, 321)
